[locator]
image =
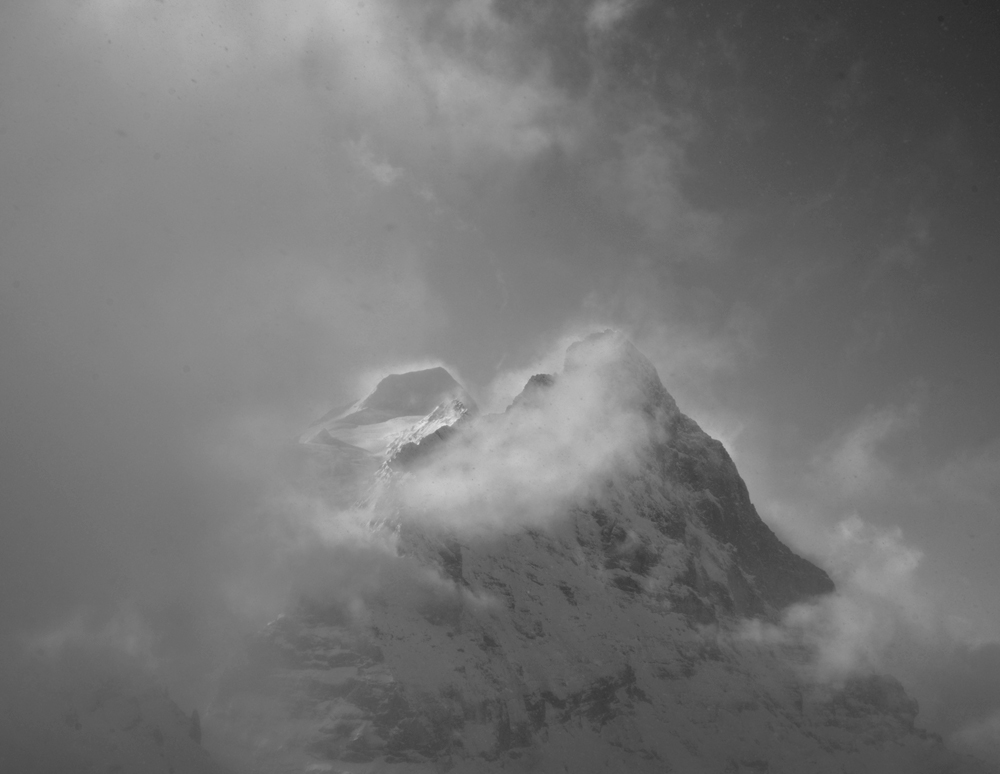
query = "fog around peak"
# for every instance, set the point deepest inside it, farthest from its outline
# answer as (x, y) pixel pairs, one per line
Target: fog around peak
(524, 467)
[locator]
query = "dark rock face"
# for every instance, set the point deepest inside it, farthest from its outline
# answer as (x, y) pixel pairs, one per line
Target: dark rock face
(702, 466)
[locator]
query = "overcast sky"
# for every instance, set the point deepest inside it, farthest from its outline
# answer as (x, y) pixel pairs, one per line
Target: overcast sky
(218, 219)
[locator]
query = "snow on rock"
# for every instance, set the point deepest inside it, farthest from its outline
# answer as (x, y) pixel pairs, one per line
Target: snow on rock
(346, 449)
(427, 433)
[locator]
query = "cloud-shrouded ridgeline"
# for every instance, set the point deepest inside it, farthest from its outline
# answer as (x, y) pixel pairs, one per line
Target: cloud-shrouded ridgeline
(218, 222)
(562, 436)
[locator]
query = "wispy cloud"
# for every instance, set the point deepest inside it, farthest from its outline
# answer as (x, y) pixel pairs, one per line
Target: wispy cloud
(378, 169)
(603, 15)
(526, 466)
(854, 461)
(890, 613)
(644, 179)
(972, 476)
(882, 619)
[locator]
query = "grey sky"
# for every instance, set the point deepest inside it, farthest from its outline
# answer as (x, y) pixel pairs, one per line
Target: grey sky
(218, 219)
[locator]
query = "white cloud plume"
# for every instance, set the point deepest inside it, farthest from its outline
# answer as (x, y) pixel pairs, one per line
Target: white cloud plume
(854, 461)
(882, 620)
(519, 468)
(379, 169)
(604, 15)
(854, 629)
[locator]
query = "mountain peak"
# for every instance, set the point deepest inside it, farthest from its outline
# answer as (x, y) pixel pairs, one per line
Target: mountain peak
(625, 373)
(700, 485)
(607, 366)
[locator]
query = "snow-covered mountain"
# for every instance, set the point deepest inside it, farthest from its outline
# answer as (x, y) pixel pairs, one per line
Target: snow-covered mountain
(565, 593)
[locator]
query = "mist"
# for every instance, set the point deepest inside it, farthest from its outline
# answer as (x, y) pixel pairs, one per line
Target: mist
(883, 618)
(553, 447)
(180, 293)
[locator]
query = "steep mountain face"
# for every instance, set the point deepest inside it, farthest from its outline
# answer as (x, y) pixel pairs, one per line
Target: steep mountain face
(599, 633)
(690, 462)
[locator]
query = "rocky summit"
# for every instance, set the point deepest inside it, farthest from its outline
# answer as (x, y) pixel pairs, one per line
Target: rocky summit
(563, 590)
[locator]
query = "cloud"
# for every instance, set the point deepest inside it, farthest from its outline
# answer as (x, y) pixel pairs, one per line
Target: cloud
(381, 171)
(903, 253)
(439, 81)
(126, 633)
(197, 262)
(643, 181)
(980, 737)
(882, 620)
(972, 477)
(698, 342)
(852, 630)
(604, 15)
(892, 612)
(852, 470)
(224, 214)
(854, 462)
(522, 467)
